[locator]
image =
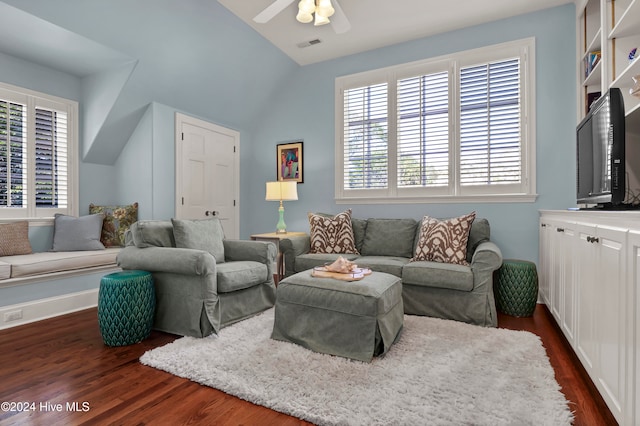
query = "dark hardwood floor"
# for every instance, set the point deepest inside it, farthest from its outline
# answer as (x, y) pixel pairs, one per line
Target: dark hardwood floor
(59, 372)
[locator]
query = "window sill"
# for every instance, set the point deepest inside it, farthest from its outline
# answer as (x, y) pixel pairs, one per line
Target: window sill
(507, 198)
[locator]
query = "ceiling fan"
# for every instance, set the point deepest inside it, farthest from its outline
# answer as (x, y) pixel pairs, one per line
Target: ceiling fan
(323, 10)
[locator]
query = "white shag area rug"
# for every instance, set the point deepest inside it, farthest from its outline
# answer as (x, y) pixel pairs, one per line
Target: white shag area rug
(439, 372)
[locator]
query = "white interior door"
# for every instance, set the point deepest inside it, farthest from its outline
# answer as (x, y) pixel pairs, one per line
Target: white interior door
(207, 170)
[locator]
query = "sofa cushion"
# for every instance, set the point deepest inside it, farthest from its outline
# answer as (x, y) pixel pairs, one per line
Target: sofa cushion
(444, 240)
(14, 238)
(332, 234)
(77, 233)
(389, 264)
(200, 234)
(234, 276)
(48, 262)
(152, 233)
(480, 232)
(117, 219)
(437, 274)
(389, 237)
(311, 260)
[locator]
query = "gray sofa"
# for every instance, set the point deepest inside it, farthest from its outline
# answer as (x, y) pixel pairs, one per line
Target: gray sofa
(451, 291)
(197, 295)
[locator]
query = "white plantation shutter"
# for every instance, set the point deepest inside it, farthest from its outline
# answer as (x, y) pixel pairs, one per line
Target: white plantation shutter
(13, 154)
(36, 138)
(423, 131)
(490, 148)
(366, 156)
(50, 158)
(462, 127)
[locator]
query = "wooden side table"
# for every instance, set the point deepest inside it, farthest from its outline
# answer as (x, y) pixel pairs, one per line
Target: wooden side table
(274, 238)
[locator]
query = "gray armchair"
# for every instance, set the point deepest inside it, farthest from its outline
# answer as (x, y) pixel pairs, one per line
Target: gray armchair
(200, 289)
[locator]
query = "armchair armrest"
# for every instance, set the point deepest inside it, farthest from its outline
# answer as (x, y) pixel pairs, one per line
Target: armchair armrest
(167, 259)
(258, 251)
(291, 247)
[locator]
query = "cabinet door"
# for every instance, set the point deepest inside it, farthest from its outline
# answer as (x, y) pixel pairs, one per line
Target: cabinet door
(633, 352)
(545, 255)
(612, 327)
(568, 281)
(587, 298)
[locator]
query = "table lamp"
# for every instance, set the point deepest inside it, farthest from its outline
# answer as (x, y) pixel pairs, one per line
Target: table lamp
(281, 191)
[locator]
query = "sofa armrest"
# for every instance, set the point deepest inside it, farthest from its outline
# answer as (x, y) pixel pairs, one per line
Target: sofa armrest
(486, 259)
(257, 251)
(291, 247)
(167, 259)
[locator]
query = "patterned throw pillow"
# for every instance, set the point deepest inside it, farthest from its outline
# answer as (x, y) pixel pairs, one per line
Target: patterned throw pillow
(332, 234)
(117, 219)
(14, 238)
(444, 241)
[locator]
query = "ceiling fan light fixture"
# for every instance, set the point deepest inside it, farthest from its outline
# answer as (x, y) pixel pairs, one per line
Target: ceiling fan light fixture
(321, 20)
(325, 8)
(307, 7)
(304, 17)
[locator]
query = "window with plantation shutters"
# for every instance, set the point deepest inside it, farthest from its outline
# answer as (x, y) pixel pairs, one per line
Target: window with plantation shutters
(366, 135)
(36, 137)
(458, 128)
(490, 123)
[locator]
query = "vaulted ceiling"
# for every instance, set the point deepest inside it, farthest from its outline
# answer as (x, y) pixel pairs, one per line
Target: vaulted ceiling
(375, 23)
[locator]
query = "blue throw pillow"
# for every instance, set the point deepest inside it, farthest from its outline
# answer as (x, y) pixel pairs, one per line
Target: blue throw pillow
(72, 233)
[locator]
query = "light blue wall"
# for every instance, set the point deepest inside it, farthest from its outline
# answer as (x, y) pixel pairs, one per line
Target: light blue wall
(197, 58)
(304, 109)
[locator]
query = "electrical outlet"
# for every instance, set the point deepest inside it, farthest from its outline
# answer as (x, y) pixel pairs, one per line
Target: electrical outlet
(13, 315)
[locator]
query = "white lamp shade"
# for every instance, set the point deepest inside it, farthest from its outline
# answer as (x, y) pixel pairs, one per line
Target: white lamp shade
(281, 191)
(307, 6)
(303, 17)
(321, 20)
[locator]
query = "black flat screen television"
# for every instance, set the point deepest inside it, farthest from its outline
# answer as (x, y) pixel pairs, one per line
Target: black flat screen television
(600, 166)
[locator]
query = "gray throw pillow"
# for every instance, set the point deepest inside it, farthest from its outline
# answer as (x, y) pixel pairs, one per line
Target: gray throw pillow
(203, 234)
(389, 237)
(72, 233)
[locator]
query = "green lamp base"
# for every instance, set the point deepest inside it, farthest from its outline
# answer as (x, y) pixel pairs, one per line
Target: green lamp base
(281, 227)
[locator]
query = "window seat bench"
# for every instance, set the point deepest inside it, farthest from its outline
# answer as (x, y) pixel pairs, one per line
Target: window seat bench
(32, 267)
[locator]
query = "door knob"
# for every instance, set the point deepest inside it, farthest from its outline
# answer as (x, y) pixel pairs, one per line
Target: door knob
(211, 213)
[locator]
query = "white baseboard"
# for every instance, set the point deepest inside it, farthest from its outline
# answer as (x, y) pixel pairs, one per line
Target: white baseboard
(37, 310)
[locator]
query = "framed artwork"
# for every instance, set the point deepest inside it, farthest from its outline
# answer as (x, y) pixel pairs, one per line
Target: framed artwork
(289, 161)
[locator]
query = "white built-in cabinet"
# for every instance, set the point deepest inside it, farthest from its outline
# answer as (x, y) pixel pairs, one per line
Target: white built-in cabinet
(590, 280)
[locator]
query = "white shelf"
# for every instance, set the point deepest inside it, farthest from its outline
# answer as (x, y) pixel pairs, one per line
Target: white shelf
(629, 22)
(624, 80)
(594, 77)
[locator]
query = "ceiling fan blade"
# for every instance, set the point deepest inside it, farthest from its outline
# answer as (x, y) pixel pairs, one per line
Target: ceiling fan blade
(272, 10)
(339, 20)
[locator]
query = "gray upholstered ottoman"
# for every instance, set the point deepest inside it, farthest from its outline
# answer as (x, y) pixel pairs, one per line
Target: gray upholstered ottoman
(358, 320)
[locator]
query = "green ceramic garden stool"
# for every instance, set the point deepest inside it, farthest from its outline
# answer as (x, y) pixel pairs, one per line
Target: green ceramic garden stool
(126, 306)
(516, 288)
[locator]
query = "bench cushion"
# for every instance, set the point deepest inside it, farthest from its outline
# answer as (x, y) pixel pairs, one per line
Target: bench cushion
(47, 262)
(5, 270)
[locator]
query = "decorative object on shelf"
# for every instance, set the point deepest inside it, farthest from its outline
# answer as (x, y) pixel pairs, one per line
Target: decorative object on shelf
(289, 161)
(281, 191)
(635, 90)
(591, 61)
(632, 54)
